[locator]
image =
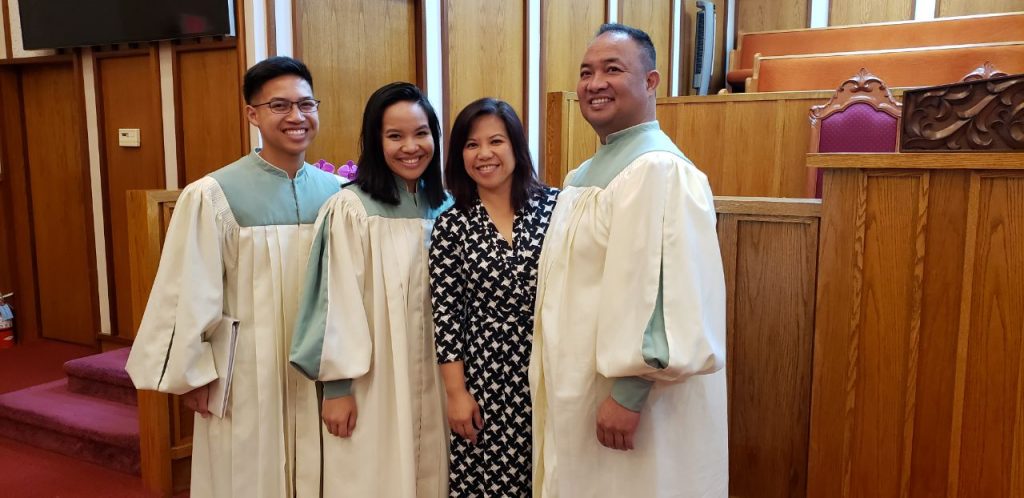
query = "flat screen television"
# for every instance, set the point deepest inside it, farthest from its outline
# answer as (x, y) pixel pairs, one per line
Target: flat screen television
(75, 23)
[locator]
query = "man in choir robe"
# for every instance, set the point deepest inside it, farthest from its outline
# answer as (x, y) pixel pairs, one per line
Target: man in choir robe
(234, 256)
(627, 371)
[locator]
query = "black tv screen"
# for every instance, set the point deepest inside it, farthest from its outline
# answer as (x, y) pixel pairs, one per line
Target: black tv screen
(74, 23)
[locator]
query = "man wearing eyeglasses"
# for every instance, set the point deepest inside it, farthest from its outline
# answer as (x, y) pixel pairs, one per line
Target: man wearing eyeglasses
(219, 319)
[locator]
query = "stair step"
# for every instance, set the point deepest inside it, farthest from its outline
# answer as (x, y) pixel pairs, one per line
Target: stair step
(102, 376)
(51, 417)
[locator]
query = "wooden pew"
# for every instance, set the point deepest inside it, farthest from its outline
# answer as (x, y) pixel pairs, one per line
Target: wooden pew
(747, 144)
(918, 386)
(165, 426)
(912, 67)
(880, 36)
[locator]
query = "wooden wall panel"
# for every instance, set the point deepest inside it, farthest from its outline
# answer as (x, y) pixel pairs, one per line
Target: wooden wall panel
(485, 53)
(747, 144)
(209, 104)
(352, 49)
(771, 15)
(918, 386)
(949, 8)
(128, 96)
(567, 26)
(990, 376)
(59, 172)
(847, 12)
(769, 251)
(654, 17)
(12, 133)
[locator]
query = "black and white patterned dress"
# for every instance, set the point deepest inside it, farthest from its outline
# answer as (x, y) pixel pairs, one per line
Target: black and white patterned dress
(483, 292)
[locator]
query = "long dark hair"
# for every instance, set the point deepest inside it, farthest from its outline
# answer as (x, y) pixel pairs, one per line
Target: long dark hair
(460, 184)
(373, 174)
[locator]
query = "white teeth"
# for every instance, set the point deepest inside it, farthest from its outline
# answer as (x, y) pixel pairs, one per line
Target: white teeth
(295, 132)
(600, 101)
(410, 162)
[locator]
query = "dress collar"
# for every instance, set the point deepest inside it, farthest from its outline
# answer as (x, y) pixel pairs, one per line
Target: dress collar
(632, 131)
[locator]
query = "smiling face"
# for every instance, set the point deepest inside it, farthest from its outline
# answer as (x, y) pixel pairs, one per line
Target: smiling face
(488, 155)
(285, 136)
(615, 89)
(407, 142)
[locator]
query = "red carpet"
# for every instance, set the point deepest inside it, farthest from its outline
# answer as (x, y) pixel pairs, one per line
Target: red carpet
(30, 472)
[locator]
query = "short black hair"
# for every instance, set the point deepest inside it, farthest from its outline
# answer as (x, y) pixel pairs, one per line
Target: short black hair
(271, 68)
(460, 184)
(373, 174)
(637, 35)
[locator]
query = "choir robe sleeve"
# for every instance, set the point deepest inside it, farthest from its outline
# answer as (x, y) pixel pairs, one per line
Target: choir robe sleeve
(447, 287)
(169, 353)
(332, 341)
(662, 305)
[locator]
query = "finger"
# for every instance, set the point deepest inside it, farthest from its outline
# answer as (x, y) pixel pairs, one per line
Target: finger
(601, 436)
(619, 442)
(352, 423)
(478, 420)
(629, 441)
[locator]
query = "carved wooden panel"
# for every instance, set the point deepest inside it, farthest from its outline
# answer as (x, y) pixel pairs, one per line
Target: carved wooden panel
(978, 115)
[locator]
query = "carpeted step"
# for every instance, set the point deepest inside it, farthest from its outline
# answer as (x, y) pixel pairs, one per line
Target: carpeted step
(103, 376)
(51, 417)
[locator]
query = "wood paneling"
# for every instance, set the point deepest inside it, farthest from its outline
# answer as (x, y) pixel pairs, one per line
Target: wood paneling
(919, 354)
(769, 15)
(128, 96)
(747, 144)
(769, 251)
(847, 12)
(211, 126)
(948, 8)
(352, 49)
(485, 53)
(59, 171)
(567, 26)
(988, 425)
(15, 178)
(654, 17)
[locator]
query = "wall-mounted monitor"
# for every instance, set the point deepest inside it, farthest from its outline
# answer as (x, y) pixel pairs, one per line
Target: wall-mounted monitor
(74, 23)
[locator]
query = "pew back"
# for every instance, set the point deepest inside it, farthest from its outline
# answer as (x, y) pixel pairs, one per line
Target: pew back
(912, 67)
(880, 36)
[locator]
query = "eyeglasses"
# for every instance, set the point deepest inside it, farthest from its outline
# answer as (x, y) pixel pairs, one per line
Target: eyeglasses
(306, 106)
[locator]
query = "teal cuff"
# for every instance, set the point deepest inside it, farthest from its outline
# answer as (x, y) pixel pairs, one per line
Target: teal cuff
(631, 392)
(337, 388)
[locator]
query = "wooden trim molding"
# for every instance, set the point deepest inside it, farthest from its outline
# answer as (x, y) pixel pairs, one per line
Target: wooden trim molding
(950, 161)
(983, 72)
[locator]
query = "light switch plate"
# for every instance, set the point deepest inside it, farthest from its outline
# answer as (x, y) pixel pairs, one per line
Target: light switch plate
(128, 137)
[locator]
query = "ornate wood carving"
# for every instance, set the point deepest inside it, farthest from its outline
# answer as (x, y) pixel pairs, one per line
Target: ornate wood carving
(862, 87)
(975, 115)
(983, 72)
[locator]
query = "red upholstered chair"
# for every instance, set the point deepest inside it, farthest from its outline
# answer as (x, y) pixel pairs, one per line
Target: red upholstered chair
(862, 116)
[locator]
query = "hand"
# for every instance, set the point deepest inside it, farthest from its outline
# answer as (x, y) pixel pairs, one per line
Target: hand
(616, 425)
(464, 415)
(197, 400)
(339, 415)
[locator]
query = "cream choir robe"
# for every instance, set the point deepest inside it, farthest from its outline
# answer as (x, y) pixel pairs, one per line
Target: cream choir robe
(631, 284)
(366, 328)
(237, 248)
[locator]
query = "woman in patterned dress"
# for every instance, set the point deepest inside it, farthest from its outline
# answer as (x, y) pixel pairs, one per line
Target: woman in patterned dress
(483, 276)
